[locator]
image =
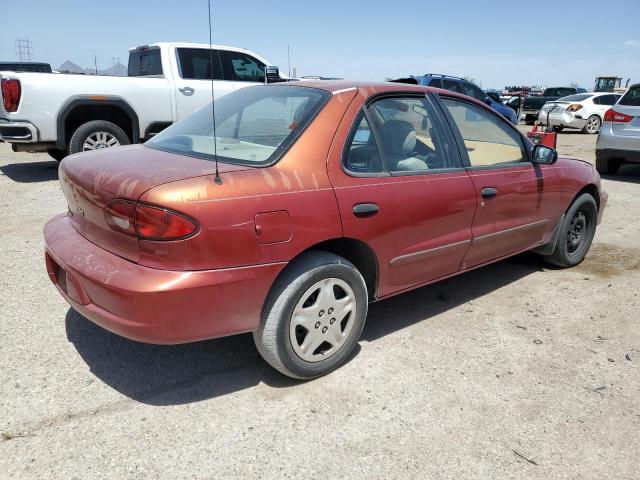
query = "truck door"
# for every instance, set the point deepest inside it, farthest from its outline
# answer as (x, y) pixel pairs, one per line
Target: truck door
(193, 79)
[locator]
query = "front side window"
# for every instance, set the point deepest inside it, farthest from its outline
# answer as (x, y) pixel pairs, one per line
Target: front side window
(488, 139)
(404, 136)
(195, 64)
(241, 67)
(254, 126)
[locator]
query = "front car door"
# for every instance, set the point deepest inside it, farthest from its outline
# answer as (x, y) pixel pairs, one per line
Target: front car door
(401, 188)
(194, 77)
(517, 200)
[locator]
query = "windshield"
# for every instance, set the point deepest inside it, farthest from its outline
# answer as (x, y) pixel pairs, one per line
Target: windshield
(254, 126)
(576, 98)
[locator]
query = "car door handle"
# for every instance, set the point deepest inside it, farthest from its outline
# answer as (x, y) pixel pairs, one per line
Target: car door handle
(489, 192)
(364, 210)
(187, 91)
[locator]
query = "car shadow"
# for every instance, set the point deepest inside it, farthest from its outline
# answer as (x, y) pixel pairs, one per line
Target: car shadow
(629, 173)
(180, 374)
(31, 172)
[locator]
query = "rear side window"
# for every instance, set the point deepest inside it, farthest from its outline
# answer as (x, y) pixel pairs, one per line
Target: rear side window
(241, 67)
(453, 85)
(435, 82)
(632, 97)
(145, 62)
(405, 132)
(195, 64)
(488, 140)
(473, 91)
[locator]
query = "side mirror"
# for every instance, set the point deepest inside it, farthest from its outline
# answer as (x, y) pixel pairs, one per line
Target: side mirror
(544, 155)
(271, 74)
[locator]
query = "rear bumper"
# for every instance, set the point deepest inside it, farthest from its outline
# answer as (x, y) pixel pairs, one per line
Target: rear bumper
(18, 132)
(618, 154)
(562, 120)
(151, 305)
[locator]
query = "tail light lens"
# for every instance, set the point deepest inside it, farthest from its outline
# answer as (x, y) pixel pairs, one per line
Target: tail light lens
(10, 94)
(148, 222)
(574, 107)
(612, 116)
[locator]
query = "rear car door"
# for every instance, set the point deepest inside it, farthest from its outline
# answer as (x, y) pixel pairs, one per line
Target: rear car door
(517, 200)
(193, 79)
(401, 189)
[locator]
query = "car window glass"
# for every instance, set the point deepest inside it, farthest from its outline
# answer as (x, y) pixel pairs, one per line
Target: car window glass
(453, 85)
(609, 99)
(435, 82)
(241, 67)
(195, 64)
(362, 155)
(411, 139)
(487, 139)
(473, 91)
(597, 100)
(632, 97)
(145, 62)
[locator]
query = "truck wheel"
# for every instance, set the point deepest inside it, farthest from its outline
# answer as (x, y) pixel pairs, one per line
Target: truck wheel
(606, 166)
(57, 154)
(95, 135)
(313, 316)
(592, 125)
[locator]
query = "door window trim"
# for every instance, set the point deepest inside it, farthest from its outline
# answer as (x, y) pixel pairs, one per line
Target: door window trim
(462, 150)
(363, 112)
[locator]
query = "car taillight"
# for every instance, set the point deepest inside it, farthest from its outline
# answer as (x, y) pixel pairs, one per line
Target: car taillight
(148, 222)
(10, 93)
(612, 116)
(574, 107)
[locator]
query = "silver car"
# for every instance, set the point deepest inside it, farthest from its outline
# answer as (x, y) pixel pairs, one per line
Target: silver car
(619, 137)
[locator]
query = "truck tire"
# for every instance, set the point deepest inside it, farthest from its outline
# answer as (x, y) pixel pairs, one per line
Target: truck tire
(97, 134)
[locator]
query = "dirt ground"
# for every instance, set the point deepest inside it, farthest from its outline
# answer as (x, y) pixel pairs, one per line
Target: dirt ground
(516, 370)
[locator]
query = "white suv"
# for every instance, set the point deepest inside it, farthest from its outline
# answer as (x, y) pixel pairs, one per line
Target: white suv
(619, 137)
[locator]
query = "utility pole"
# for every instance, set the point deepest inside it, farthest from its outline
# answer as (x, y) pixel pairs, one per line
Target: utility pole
(289, 61)
(95, 63)
(115, 61)
(24, 50)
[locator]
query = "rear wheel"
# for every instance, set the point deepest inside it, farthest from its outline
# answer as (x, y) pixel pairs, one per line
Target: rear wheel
(576, 232)
(313, 317)
(97, 134)
(592, 125)
(607, 166)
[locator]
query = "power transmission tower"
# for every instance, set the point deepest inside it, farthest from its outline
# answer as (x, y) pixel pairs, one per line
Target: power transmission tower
(115, 61)
(24, 50)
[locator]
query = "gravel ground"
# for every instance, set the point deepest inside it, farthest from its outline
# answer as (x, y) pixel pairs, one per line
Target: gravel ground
(515, 370)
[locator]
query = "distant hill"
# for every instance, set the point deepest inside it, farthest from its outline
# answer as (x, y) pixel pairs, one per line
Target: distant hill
(119, 70)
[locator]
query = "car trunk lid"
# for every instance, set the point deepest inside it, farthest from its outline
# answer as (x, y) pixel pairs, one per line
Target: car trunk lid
(93, 179)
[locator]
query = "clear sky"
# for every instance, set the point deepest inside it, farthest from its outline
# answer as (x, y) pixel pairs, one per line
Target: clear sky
(496, 43)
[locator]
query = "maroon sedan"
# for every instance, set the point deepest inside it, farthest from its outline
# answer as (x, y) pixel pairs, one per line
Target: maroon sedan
(305, 203)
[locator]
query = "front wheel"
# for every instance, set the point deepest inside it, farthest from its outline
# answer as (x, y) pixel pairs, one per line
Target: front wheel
(95, 135)
(576, 232)
(592, 125)
(313, 316)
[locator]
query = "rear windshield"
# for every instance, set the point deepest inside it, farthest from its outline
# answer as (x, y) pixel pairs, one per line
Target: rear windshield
(559, 92)
(632, 97)
(144, 63)
(576, 98)
(254, 126)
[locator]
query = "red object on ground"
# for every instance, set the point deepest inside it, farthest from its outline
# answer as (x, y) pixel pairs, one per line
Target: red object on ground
(542, 137)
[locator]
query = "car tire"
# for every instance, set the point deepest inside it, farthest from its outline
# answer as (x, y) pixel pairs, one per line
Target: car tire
(97, 134)
(592, 125)
(57, 154)
(576, 232)
(606, 166)
(301, 333)
(558, 129)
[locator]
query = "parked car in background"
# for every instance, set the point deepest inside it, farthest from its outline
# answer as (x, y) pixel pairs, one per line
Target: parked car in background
(619, 138)
(529, 107)
(25, 67)
(312, 200)
(62, 114)
(583, 111)
(460, 85)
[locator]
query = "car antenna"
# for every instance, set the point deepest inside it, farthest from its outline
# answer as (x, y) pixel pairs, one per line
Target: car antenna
(217, 178)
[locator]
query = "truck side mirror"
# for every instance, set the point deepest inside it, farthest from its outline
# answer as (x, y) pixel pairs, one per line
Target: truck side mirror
(271, 74)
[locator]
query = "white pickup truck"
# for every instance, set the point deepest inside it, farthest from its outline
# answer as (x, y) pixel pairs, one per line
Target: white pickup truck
(63, 113)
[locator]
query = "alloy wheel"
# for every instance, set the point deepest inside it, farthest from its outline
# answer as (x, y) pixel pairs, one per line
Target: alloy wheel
(322, 319)
(100, 140)
(593, 124)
